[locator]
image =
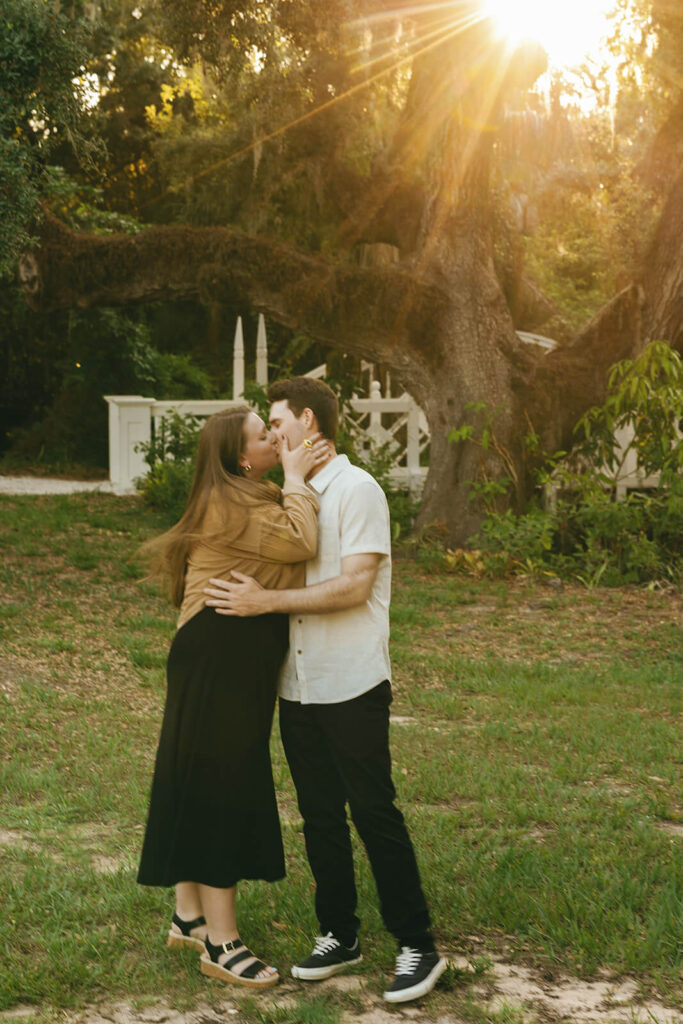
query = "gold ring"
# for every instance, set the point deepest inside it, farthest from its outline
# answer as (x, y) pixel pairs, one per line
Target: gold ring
(308, 443)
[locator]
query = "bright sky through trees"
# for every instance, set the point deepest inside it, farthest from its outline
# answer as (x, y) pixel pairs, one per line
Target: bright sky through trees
(568, 31)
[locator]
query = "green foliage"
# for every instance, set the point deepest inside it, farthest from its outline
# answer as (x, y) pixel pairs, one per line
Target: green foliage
(590, 537)
(80, 205)
(260, 79)
(42, 53)
(585, 532)
(170, 456)
(106, 352)
(166, 488)
(592, 231)
(509, 542)
(645, 397)
(618, 542)
(18, 202)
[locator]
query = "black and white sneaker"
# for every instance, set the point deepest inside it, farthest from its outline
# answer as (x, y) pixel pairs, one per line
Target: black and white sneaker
(329, 957)
(416, 974)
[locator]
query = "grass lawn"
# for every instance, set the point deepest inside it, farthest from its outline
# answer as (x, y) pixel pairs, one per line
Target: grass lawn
(536, 747)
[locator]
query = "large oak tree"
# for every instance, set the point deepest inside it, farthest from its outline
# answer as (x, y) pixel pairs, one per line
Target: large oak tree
(438, 313)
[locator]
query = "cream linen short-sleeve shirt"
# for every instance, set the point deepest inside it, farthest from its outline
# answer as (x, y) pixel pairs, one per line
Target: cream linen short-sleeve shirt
(336, 656)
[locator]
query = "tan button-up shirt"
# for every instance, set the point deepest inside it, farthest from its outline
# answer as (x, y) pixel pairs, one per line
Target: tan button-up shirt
(257, 529)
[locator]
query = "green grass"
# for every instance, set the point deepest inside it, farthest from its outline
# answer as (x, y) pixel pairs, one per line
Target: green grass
(535, 757)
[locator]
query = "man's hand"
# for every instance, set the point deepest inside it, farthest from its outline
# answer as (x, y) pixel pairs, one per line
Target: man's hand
(245, 596)
(242, 596)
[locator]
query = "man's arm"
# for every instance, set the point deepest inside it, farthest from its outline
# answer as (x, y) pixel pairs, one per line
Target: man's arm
(244, 596)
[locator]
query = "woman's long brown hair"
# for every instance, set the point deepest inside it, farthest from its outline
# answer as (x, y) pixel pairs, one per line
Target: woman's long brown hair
(221, 443)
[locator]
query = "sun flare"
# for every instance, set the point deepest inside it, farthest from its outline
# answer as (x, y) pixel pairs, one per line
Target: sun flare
(568, 30)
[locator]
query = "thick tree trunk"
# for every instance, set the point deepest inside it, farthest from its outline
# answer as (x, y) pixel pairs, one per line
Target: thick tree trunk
(662, 279)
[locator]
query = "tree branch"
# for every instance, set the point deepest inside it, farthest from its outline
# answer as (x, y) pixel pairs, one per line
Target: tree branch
(342, 305)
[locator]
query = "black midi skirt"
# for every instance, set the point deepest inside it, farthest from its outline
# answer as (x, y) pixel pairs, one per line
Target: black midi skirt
(213, 815)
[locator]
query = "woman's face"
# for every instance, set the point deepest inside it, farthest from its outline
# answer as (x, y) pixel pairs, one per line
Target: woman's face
(259, 449)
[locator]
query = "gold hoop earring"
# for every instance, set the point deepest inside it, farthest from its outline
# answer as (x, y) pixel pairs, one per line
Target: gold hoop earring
(247, 468)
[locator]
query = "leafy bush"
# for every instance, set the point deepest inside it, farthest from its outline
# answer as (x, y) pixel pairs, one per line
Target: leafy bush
(107, 352)
(646, 398)
(508, 542)
(587, 533)
(170, 456)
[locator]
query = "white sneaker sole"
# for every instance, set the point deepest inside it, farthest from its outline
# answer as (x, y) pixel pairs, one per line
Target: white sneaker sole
(421, 989)
(320, 973)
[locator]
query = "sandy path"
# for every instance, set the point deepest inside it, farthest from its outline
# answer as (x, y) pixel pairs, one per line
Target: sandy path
(50, 485)
(606, 1000)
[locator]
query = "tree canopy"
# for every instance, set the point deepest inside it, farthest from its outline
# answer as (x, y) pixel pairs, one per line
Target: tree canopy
(378, 177)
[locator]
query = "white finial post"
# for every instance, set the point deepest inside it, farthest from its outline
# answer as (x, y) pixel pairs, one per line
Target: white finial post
(376, 396)
(261, 352)
(238, 362)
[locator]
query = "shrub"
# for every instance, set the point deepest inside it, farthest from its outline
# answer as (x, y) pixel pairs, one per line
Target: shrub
(587, 533)
(107, 352)
(509, 542)
(170, 456)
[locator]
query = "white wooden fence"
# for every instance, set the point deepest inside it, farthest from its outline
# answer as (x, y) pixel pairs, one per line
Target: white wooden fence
(374, 421)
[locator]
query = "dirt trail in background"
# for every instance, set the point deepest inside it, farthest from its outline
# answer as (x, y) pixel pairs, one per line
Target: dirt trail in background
(50, 485)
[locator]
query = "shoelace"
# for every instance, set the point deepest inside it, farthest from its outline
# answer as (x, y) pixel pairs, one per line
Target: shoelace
(407, 960)
(325, 944)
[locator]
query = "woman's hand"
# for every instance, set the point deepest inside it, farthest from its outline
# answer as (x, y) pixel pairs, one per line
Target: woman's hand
(298, 463)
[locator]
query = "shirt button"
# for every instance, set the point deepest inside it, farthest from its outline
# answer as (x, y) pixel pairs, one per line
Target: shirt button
(300, 620)
(298, 652)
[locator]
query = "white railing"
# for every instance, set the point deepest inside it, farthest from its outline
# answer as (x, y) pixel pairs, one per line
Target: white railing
(378, 420)
(375, 421)
(398, 426)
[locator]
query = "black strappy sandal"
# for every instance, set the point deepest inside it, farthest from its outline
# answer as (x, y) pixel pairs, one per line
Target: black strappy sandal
(184, 940)
(223, 972)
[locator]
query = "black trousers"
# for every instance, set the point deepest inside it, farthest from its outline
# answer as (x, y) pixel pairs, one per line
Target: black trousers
(339, 754)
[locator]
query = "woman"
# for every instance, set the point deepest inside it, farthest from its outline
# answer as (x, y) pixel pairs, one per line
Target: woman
(213, 816)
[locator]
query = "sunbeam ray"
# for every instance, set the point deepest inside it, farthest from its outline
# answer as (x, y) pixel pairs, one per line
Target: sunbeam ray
(321, 108)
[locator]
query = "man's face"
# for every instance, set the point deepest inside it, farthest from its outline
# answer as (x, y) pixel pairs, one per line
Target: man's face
(284, 423)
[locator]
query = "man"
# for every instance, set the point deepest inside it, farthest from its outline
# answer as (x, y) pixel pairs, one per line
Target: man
(335, 693)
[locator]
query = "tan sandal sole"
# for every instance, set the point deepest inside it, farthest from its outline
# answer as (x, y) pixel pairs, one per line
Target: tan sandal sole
(175, 941)
(212, 970)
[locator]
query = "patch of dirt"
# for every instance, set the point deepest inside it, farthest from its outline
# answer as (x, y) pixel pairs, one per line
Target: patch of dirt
(12, 837)
(107, 865)
(607, 1000)
(674, 828)
(88, 837)
(15, 670)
